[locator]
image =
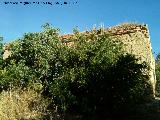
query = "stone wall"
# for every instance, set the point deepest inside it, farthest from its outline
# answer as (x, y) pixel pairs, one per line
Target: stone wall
(136, 40)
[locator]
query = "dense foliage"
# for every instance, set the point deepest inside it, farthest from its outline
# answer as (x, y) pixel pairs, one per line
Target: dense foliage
(158, 74)
(90, 78)
(1, 51)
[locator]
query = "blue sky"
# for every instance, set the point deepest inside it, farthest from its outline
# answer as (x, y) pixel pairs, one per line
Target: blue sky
(15, 20)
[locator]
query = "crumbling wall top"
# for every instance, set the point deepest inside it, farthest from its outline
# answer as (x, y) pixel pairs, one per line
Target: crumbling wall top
(127, 28)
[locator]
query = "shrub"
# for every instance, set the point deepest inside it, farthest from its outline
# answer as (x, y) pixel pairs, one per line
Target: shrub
(1, 53)
(111, 90)
(158, 74)
(91, 78)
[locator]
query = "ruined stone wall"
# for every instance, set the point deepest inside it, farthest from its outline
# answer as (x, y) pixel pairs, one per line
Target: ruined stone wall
(136, 40)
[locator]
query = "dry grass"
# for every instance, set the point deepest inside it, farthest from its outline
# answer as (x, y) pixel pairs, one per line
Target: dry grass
(20, 105)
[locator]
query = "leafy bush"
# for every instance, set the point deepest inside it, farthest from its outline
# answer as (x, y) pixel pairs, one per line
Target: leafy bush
(1, 51)
(90, 78)
(112, 89)
(158, 74)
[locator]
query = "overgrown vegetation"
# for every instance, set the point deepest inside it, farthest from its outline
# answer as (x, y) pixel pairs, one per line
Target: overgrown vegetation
(89, 80)
(158, 74)
(1, 52)
(21, 105)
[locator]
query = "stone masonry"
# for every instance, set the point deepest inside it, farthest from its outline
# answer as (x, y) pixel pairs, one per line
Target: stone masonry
(136, 40)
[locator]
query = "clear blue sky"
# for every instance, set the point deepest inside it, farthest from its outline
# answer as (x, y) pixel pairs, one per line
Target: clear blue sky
(15, 20)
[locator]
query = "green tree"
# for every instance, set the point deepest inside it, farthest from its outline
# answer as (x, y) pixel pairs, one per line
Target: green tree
(1, 51)
(158, 74)
(91, 77)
